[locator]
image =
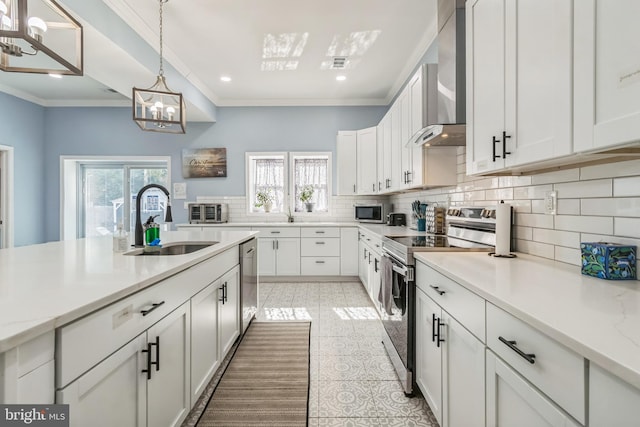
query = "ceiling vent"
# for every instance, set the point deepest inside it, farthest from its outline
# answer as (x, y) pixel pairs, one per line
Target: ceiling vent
(339, 62)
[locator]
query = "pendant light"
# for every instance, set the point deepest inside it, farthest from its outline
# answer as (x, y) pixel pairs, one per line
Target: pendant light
(39, 36)
(157, 108)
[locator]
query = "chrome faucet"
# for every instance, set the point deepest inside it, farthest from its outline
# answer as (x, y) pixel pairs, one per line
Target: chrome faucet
(139, 242)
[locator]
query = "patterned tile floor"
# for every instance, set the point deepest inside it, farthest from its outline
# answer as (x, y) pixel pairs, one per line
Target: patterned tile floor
(352, 380)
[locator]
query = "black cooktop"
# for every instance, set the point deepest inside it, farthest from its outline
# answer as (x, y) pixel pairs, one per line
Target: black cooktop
(429, 241)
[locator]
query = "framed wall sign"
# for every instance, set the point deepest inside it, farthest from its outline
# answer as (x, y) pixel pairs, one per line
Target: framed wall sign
(204, 162)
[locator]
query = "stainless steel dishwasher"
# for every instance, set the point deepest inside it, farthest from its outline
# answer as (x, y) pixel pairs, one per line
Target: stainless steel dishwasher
(248, 282)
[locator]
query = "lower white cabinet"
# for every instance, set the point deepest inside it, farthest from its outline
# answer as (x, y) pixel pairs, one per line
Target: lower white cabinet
(204, 338)
(145, 383)
(363, 262)
(229, 315)
(513, 401)
(612, 402)
(279, 256)
(449, 366)
(349, 251)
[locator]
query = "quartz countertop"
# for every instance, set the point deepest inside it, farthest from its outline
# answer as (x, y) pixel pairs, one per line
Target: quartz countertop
(48, 285)
(272, 224)
(599, 319)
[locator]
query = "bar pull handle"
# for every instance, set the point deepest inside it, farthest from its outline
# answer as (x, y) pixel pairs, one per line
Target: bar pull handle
(319, 232)
(148, 369)
(529, 357)
(440, 340)
(375, 265)
(157, 362)
(504, 144)
(249, 251)
(153, 307)
(275, 232)
(319, 262)
(495, 141)
(354, 188)
(437, 289)
(433, 327)
(319, 243)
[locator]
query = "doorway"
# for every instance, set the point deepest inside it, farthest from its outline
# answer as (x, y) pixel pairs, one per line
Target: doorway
(6, 196)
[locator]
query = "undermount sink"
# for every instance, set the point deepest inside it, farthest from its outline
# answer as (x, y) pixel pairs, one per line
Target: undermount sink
(172, 249)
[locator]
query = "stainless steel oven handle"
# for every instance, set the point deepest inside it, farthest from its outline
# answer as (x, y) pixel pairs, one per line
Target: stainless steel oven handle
(400, 270)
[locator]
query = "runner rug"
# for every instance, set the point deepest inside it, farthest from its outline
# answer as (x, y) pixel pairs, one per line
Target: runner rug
(267, 380)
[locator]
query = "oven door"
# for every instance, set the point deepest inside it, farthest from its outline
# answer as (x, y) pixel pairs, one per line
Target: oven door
(398, 337)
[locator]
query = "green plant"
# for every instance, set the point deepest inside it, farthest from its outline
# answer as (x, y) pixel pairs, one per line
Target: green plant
(306, 194)
(263, 197)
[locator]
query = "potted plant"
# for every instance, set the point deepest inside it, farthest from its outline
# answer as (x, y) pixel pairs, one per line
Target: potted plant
(305, 197)
(264, 199)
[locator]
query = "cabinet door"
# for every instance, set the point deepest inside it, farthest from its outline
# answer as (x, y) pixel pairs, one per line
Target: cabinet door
(428, 354)
(405, 134)
(346, 148)
(612, 402)
(168, 391)
(374, 278)
(204, 338)
(114, 391)
(288, 256)
(229, 320)
(415, 124)
(513, 401)
(367, 161)
(363, 264)
(607, 94)
(349, 251)
(538, 80)
(380, 157)
(387, 153)
(463, 376)
(398, 177)
(267, 256)
(485, 41)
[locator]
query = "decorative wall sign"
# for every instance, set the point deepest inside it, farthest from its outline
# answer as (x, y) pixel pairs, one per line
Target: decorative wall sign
(204, 162)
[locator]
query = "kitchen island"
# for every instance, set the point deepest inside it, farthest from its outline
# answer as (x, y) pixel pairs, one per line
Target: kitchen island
(69, 294)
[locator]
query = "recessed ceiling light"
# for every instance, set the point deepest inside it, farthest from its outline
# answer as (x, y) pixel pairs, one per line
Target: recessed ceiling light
(341, 78)
(225, 78)
(55, 76)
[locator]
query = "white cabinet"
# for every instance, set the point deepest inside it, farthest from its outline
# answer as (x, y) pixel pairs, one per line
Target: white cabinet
(513, 401)
(404, 134)
(363, 261)
(606, 94)
(204, 338)
(278, 251)
(367, 161)
(346, 149)
(228, 309)
(612, 402)
(147, 380)
(349, 251)
(519, 82)
(386, 177)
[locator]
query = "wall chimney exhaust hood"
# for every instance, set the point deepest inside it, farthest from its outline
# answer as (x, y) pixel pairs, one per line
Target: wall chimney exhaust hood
(443, 97)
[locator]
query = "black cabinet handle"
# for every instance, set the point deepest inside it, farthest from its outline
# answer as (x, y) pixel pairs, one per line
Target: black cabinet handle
(504, 145)
(369, 257)
(320, 243)
(153, 307)
(373, 187)
(529, 357)
(409, 174)
(433, 327)
(319, 262)
(365, 254)
(223, 288)
(375, 265)
(148, 351)
(157, 362)
(495, 141)
(437, 289)
(354, 188)
(275, 232)
(440, 340)
(319, 232)
(379, 186)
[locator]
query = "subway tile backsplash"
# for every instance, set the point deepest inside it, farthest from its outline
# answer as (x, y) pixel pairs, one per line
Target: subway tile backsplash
(595, 203)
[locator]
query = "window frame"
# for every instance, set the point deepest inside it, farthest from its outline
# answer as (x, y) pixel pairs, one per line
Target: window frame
(250, 173)
(292, 184)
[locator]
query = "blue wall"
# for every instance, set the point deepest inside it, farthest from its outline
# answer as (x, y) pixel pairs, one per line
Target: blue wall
(22, 127)
(110, 131)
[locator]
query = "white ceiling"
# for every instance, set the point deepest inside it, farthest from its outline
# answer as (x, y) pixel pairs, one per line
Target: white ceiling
(277, 52)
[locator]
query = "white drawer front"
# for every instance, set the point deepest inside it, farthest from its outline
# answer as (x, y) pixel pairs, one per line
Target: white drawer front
(320, 247)
(84, 343)
(276, 232)
(557, 371)
(467, 307)
(320, 232)
(320, 266)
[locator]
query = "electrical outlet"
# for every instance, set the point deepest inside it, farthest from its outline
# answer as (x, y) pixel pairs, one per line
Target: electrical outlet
(550, 202)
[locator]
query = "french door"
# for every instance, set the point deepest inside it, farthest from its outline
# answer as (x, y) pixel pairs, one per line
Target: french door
(108, 194)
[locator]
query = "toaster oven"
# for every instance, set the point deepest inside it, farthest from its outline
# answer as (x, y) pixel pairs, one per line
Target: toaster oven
(201, 213)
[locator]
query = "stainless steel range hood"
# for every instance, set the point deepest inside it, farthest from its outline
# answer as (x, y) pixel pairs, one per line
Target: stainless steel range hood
(444, 117)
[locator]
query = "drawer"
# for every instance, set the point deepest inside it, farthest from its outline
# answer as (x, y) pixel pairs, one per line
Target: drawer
(373, 240)
(320, 266)
(277, 231)
(557, 371)
(320, 247)
(467, 307)
(320, 232)
(84, 343)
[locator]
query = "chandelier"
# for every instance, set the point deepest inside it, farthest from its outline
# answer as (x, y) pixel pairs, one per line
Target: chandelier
(157, 108)
(39, 36)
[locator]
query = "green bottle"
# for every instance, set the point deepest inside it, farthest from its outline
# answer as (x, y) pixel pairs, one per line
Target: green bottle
(151, 230)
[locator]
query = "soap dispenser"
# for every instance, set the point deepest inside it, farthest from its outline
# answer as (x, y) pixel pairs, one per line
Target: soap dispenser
(151, 230)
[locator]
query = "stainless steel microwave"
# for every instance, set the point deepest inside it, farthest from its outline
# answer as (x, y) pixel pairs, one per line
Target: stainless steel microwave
(376, 212)
(200, 213)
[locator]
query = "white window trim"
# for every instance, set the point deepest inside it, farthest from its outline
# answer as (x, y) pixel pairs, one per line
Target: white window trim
(320, 154)
(248, 183)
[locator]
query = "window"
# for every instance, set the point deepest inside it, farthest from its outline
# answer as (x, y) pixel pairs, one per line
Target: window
(267, 174)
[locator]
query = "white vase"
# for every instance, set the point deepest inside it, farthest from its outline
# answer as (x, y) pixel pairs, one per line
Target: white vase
(267, 207)
(309, 207)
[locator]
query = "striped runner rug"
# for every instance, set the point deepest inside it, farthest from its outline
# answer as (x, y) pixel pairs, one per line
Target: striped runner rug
(267, 380)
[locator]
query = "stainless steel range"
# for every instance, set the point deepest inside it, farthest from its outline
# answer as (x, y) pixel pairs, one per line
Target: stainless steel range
(468, 229)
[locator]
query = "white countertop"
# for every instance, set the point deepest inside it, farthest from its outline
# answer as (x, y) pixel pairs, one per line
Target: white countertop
(46, 286)
(599, 319)
(272, 224)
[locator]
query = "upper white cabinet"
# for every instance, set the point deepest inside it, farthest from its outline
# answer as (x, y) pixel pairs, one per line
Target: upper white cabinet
(366, 140)
(386, 174)
(607, 74)
(346, 149)
(519, 82)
